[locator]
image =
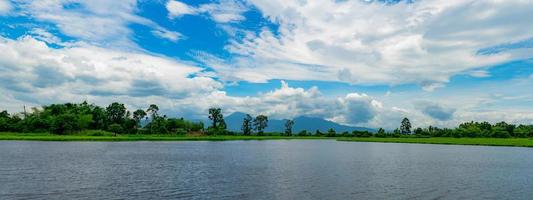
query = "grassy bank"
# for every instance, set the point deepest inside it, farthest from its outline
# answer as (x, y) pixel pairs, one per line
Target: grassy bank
(90, 136)
(517, 142)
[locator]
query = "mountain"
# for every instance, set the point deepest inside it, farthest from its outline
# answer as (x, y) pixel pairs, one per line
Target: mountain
(234, 123)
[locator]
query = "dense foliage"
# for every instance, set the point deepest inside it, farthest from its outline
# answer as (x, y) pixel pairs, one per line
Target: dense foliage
(70, 118)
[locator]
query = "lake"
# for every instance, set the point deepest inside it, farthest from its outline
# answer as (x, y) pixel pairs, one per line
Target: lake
(282, 169)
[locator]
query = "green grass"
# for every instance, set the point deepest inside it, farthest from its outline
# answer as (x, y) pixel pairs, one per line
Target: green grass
(106, 136)
(517, 142)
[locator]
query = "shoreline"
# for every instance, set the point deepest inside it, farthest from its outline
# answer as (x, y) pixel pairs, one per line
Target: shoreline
(511, 142)
(504, 142)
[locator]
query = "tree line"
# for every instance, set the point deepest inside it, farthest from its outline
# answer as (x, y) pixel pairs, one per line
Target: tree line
(70, 118)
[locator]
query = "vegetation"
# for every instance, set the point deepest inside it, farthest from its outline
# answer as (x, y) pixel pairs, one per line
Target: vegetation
(288, 127)
(70, 118)
(260, 123)
(115, 120)
(247, 125)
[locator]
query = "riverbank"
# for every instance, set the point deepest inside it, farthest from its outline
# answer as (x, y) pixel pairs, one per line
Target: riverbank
(515, 142)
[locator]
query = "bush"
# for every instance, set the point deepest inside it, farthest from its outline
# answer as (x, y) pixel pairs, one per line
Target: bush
(115, 128)
(331, 133)
(303, 133)
(181, 131)
(65, 123)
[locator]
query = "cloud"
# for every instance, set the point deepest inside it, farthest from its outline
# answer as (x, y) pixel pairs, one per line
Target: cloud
(84, 70)
(5, 7)
(166, 34)
(480, 73)
(99, 22)
(360, 108)
(435, 110)
(223, 11)
(177, 9)
(423, 42)
(288, 102)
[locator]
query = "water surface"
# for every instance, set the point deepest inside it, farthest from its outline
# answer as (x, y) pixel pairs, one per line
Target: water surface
(296, 169)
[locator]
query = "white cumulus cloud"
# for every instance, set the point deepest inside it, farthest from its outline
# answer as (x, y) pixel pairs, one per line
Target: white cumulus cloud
(424, 42)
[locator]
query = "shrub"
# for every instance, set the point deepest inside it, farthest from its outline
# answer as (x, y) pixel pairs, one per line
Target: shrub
(302, 133)
(115, 128)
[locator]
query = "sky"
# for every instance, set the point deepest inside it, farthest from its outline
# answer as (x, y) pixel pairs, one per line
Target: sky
(355, 62)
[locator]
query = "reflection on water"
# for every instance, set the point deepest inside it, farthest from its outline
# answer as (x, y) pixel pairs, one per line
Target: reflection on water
(314, 169)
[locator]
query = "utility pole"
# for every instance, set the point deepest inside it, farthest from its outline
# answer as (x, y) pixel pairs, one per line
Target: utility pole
(25, 115)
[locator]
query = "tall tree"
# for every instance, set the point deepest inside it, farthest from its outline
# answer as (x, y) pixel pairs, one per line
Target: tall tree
(288, 127)
(138, 115)
(260, 123)
(215, 115)
(247, 125)
(405, 128)
(153, 110)
(116, 113)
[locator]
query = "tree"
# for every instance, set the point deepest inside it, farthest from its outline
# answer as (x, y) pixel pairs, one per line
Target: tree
(260, 123)
(115, 129)
(215, 115)
(405, 128)
(65, 123)
(288, 127)
(153, 110)
(419, 131)
(302, 133)
(331, 133)
(116, 113)
(138, 115)
(381, 133)
(247, 125)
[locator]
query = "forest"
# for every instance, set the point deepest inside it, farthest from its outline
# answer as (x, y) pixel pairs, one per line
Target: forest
(71, 118)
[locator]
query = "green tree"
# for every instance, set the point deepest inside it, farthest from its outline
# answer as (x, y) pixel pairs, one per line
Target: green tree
(138, 115)
(288, 127)
(153, 110)
(247, 125)
(115, 129)
(381, 133)
(260, 123)
(303, 133)
(65, 123)
(116, 113)
(405, 128)
(331, 133)
(215, 115)
(318, 133)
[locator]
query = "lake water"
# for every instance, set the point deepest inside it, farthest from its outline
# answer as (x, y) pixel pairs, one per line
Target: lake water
(296, 169)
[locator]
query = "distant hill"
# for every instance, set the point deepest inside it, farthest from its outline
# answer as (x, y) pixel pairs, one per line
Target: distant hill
(234, 123)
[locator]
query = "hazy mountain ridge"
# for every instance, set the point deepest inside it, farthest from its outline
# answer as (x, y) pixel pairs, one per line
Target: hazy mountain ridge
(234, 123)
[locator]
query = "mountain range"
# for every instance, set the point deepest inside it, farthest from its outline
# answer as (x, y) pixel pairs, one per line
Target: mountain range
(234, 123)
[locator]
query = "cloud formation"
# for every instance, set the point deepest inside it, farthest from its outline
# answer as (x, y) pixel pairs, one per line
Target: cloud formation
(435, 110)
(5, 7)
(223, 11)
(100, 22)
(86, 70)
(357, 42)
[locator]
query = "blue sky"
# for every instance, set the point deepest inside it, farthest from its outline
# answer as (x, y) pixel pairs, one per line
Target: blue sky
(355, 62)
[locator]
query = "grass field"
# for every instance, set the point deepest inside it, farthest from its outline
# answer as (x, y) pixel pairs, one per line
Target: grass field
(89, 136)
(518, 142)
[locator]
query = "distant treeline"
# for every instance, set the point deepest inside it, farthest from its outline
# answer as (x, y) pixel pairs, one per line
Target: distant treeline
(70, 118)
